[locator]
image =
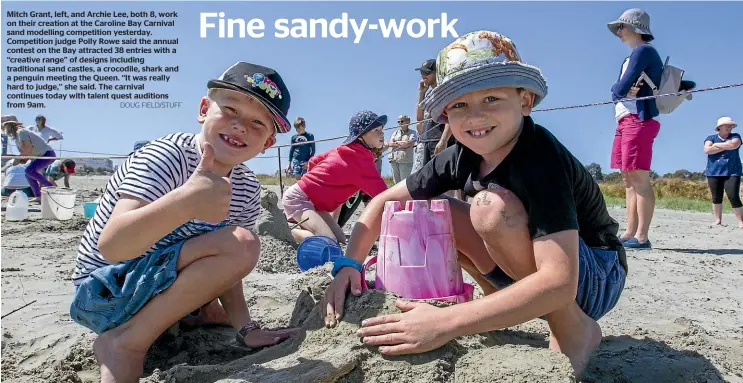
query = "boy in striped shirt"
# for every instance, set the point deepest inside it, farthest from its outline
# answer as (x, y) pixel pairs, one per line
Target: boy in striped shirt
(174, 229)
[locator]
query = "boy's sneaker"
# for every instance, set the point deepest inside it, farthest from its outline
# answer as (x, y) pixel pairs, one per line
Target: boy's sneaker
(633, 243)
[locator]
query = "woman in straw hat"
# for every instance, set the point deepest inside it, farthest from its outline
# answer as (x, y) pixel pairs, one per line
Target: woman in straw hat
(724, 168)
(30, 144)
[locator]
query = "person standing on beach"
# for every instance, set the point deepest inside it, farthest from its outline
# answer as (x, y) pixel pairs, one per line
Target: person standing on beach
(632, 150)
(5, 146)
(402, 143)
(31, 144)
(429, 132)
(724, 168)
(433, 137)
(299, 155)
(48, 133)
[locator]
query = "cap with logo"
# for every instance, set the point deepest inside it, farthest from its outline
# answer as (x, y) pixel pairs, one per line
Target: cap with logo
(262, 83)
(428, 66)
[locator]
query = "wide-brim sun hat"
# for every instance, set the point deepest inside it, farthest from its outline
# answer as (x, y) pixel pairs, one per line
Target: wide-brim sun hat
(361, 123)
(263, 84)
(9, 118)
(480, 60)
(635, 19)
(725, 121)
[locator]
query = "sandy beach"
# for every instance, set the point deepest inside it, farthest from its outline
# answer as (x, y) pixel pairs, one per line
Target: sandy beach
(679, 319)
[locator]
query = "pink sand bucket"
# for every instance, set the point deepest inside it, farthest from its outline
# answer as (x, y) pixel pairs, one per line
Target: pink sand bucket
(417, 254)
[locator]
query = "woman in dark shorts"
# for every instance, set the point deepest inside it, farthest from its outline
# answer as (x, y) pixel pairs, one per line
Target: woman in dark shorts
(724, 168)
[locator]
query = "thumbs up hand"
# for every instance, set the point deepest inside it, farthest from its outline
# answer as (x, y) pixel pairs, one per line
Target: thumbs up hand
(209, 193)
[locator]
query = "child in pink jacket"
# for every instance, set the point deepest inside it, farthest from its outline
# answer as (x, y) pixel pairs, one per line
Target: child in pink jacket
(334, 176)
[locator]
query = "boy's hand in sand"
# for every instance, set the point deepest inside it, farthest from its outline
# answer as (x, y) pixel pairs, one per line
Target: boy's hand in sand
(420, 328)
(335, 294)
(208, 193)
(262, 338)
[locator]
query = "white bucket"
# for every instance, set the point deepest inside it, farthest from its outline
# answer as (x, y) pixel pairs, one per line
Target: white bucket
(57, 203)
(17, 209)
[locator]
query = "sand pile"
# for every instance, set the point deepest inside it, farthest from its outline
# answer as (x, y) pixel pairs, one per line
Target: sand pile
(318, 354)
(276, 256)
(272, 221)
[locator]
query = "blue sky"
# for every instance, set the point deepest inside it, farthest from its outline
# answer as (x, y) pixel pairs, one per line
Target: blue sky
(330, 79)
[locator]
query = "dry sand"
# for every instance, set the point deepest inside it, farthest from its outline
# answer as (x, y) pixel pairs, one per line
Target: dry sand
(678, 319)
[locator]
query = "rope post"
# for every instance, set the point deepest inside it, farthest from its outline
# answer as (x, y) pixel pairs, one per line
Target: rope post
(281, 170)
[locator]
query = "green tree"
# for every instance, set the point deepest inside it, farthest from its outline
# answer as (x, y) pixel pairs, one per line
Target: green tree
(595, 170)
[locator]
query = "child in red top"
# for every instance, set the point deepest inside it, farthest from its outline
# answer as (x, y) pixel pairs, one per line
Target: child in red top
(334, 176)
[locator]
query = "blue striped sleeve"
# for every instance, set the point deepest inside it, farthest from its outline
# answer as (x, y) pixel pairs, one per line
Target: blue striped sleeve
(154, 171)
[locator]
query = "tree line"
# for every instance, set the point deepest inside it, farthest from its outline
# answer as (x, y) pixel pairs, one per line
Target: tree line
(683, 174)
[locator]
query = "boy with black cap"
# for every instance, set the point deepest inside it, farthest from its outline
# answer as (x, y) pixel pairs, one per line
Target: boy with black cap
(432, 135)
(538, 230)
(174, 228)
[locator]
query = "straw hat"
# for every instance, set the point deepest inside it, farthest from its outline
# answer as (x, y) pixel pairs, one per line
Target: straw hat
(10, 118)
(725, 121)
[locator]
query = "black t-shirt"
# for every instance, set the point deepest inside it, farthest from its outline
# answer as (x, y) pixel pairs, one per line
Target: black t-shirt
(556, 189)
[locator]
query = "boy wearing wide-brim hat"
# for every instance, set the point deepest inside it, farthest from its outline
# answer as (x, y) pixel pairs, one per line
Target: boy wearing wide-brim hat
(538, 227)
(334, 176)
(175, 229)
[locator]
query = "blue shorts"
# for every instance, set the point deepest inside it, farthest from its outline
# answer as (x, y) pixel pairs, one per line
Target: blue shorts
(111, 295)
(600, 280)
(298, 168)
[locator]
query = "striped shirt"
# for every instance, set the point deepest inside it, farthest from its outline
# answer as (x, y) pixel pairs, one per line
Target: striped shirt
(153, 171)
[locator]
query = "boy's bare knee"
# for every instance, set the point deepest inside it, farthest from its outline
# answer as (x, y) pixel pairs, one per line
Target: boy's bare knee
(497, 209)
(245, 246)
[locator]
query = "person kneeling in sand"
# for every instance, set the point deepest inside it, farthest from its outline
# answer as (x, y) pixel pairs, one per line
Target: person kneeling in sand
(152, 254)
(538, 230)
(333, 177)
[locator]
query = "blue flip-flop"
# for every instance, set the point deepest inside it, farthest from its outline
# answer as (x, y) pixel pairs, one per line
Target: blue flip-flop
(633, 243)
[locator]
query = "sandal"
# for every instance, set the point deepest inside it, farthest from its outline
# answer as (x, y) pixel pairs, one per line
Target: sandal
(245, 330)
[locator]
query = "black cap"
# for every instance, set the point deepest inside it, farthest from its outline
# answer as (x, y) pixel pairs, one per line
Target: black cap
(428, 66)
(265, 84)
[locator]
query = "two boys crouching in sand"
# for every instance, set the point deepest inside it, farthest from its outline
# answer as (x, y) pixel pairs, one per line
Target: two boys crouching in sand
(537, 238)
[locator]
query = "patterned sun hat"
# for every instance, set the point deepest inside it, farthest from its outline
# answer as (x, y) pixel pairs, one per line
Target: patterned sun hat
(480, 60)
(362, 122)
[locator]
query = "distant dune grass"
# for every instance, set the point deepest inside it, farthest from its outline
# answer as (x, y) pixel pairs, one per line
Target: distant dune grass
(674, 194)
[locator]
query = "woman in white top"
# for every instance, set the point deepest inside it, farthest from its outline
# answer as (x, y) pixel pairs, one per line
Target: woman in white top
(32, 144)
(49, 134)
